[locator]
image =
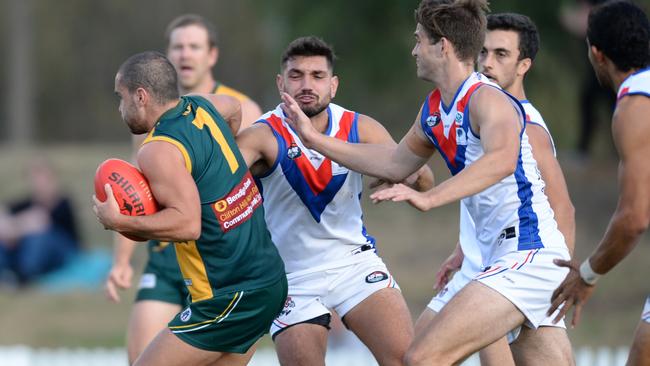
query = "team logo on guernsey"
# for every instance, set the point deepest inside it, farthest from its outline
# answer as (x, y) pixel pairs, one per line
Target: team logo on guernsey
(459, 118)
(376, 276)
(293, 151)
(433, 119)
(186, 314)
(461, 137)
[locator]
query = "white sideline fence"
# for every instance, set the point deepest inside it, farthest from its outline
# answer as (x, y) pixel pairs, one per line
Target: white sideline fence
(26, 356)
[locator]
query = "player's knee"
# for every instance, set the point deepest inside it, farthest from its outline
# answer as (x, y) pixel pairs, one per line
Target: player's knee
(417, 357)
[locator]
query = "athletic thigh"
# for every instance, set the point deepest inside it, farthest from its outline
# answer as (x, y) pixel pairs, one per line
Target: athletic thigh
(475, 317)
(640, 350)
(168, 350)
(424, 321)
(147, 319)
(496, 354)
(546, 345)
(302, 344)
(383, 323)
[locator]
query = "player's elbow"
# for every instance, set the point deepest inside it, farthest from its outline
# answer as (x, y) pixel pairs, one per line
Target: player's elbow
(194, 231)
(635, 223)
(506, 165)
(188, 231)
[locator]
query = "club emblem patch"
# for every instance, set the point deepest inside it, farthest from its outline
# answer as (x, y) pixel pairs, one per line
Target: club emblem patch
(186, 314)
(376, 276)
(293, 151)
(433, 119)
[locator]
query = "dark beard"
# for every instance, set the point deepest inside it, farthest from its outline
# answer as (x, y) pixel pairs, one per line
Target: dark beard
(312, 111)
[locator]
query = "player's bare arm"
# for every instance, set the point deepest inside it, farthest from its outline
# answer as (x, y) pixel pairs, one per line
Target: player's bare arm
(180, 217)
(258, 147)
(556, 189)
(121, 273)
(391, 163)
(229, 108)
(373, 132)
(630, 220)
(494, 117)
(250, 112)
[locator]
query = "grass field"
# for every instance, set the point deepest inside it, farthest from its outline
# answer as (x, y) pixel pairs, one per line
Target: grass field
(412, 243)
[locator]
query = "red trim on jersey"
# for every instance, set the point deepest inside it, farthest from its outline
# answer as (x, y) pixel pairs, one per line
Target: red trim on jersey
(317, 179)
(448, 144)
(623, 92)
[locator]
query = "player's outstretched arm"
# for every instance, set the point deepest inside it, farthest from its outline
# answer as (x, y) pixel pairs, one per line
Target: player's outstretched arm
(172, 185)
(391, 163)
(121, 273)
(373, 132)
(556, 189)
(499, 125)
(250, 112)
(258, 147)
(632, 216)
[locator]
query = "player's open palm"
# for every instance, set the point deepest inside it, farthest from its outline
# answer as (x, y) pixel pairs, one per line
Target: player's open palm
(297, 119)
(573, 291)
(119, 278)
(400, 192)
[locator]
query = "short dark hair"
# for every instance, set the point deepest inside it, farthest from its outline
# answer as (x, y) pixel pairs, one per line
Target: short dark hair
(462, 22)
(523, 26)
(152, 71)
(186, 20)
(309, 46)
(621, 31)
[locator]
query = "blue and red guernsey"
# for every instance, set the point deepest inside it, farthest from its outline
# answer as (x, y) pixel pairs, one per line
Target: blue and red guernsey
(511, 215)
(636, 84)
(312, 204)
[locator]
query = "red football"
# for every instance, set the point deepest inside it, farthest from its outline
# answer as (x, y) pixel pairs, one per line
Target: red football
(130, 188)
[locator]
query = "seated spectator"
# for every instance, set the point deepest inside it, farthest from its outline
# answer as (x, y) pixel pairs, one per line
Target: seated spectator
(38, 234)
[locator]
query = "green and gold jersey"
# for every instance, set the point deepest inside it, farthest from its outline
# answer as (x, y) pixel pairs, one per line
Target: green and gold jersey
(221, 89)
(234, 251)
(167, 258)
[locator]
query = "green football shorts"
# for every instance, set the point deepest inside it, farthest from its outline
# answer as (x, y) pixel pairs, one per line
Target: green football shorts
(231, 322)
(162, 279)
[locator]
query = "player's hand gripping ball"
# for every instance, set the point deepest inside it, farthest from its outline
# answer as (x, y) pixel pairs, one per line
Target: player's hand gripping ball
(130, 189)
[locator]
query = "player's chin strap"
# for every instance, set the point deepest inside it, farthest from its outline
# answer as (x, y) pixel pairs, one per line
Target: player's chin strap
(587, 273)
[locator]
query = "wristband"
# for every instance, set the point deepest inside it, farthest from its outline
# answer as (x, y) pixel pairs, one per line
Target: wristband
(587, 273)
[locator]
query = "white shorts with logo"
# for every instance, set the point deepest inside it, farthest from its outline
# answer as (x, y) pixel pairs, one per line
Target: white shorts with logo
(645, 316)
(521, 271)
(313, 294)
(527, 278)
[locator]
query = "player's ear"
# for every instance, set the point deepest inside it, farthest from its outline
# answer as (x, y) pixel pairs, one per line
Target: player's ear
(141, 96)
(523, 66)
(213, 56)
(334, 86)
(597, 55)
(279, 82)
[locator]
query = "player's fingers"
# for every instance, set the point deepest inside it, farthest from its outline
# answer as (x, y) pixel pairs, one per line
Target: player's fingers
(122, 281)
(564, 309)
(556, 300)
(563, 263)
(576, 314)
(108, 189)
(111, 291)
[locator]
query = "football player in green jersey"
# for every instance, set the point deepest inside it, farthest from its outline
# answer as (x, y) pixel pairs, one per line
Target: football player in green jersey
(210, 208)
